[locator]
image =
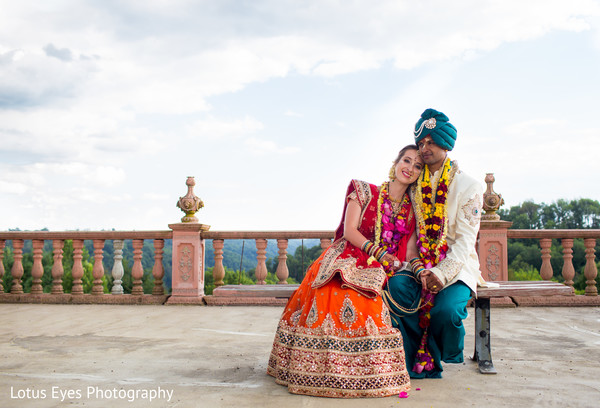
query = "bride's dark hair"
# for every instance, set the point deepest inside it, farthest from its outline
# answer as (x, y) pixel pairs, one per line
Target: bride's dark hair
(404, 150)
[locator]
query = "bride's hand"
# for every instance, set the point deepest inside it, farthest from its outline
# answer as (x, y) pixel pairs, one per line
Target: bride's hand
(392, 262)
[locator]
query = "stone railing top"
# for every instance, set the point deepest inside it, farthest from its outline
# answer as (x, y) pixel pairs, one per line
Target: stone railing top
(318, 234)
(553, 233)
(50, 235)
(268, 234)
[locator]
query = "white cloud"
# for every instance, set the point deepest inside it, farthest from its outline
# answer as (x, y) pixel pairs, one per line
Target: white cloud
(156, 196)
(169, 72)
(11, 187)
(260, 146)
(214, 128)
(291, 113)
(42, 178)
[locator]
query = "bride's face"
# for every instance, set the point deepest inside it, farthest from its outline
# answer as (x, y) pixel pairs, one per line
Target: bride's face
(409, 167)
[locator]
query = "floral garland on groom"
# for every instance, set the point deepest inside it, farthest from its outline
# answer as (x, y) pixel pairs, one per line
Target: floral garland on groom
(432, 225)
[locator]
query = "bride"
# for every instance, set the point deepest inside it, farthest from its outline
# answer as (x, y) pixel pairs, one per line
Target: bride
(335, 337)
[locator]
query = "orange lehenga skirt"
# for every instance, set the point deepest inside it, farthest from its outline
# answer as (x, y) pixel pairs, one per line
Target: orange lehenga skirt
(334, 342)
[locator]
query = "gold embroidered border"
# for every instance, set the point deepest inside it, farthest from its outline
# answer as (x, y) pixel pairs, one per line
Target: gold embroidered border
(363, 190)
(450, 268)
(326, 270)
(367, 281)
(328, 361)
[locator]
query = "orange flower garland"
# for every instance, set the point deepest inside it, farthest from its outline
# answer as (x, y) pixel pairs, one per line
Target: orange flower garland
(432, 221)
(432, 216)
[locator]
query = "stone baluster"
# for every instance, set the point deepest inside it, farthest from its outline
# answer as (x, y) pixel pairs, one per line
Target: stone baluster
(546, 271)
(568, 271)
(137, 271)
(77, 270)
(261, 258)
(117, 269)
(37, 270)
(158, 271)
(2, 242)
(57, 268)
(98, 271)
(17, 268)
(282, 269)
(591, 270)
(325, 243)
(218, 269)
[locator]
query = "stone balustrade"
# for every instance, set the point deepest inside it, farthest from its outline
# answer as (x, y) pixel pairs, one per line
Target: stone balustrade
(261, 237)
(492, 250)
(566, 238)
(188, 266)
(98, 238)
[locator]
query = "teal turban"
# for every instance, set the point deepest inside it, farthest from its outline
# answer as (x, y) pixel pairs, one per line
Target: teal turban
(436, 125)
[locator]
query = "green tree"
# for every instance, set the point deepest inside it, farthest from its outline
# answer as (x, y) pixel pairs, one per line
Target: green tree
(296, 263)
(525, 254)
(7, 261)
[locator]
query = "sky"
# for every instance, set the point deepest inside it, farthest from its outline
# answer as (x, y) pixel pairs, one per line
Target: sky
(107, 106)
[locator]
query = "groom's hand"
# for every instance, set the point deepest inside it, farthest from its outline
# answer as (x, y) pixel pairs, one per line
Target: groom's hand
(430, 281)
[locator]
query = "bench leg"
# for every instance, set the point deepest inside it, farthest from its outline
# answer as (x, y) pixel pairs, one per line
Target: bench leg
(483, 350)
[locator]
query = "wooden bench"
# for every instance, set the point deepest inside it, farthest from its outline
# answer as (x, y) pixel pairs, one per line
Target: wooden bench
(483, 349)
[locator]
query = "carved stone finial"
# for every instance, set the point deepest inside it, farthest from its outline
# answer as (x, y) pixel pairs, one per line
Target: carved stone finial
(492, 201)
(189, 203)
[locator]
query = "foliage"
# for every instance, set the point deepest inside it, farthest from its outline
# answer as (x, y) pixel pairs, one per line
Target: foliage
(233, 277)
(561, 214)
(298, 262)
(88, 266)
(524, 255)
(233, 248)
(527, 273)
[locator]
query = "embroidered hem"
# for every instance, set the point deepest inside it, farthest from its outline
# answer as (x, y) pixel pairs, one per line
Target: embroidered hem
(329, 362)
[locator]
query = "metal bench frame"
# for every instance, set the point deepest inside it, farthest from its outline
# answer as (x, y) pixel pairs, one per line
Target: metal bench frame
(483, 349)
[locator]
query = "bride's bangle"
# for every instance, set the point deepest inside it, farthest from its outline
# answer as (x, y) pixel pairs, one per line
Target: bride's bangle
(364, 245)
(378, 252)
(416, 266)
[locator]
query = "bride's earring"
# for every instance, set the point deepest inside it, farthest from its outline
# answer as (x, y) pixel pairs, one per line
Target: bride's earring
(393, 173)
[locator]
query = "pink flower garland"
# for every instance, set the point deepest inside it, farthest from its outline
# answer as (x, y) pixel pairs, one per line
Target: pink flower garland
(393, 226)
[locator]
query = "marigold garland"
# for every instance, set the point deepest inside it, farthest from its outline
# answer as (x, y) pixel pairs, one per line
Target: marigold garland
(432, 221)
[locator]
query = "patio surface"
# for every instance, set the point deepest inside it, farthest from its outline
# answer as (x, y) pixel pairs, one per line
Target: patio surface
(217, 356)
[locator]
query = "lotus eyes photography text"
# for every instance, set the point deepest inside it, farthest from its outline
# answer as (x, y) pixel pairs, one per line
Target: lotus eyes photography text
(91, 392)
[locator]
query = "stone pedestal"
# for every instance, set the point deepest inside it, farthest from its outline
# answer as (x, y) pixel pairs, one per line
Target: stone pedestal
(492, 250)
(188, 263)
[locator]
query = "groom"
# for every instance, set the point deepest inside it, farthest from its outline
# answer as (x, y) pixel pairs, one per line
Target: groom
(447, 204)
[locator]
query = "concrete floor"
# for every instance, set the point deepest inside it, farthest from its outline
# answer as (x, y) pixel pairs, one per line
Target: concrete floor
(216, 357)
